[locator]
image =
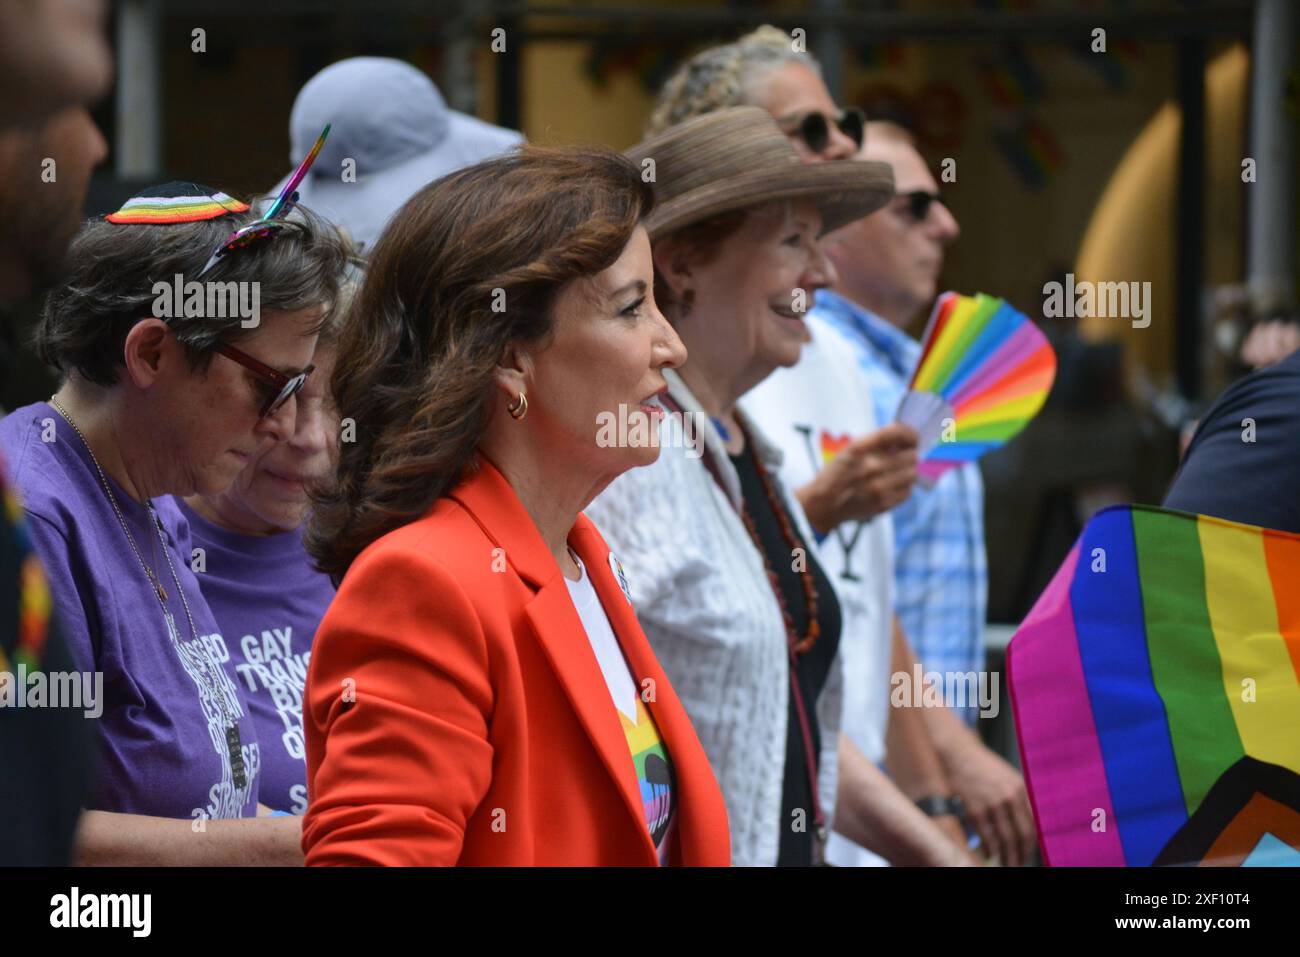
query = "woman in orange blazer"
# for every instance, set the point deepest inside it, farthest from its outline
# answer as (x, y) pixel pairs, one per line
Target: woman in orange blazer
(480, 691)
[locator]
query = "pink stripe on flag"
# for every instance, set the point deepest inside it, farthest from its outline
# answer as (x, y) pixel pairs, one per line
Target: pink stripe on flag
(1059, 748)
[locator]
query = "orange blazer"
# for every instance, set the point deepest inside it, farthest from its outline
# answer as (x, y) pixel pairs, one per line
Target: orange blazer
(455, 712)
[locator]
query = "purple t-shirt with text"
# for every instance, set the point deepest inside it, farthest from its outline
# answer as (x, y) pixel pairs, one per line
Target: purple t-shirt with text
(168, 697)
(268, 601)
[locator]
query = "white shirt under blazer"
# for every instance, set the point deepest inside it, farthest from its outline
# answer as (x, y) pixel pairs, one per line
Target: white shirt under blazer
(701, 592)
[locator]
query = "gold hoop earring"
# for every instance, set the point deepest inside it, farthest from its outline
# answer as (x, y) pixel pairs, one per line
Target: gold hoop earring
(518, 409)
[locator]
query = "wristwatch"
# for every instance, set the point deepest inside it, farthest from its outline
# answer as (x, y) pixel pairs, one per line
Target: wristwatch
(940, 805)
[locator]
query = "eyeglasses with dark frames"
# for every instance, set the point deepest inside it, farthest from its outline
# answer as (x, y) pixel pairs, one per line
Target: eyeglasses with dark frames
(285, 386)
(815, 128)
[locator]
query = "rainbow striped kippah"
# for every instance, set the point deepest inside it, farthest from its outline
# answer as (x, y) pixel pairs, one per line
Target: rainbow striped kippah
(176, 203)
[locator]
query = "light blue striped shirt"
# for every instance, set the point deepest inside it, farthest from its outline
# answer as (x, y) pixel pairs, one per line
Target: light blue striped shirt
(940, 569)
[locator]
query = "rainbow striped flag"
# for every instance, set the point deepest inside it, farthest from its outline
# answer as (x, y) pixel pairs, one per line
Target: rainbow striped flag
(1156, 691)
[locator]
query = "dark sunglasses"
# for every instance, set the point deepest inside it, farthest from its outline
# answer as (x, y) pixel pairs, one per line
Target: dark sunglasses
(280, 387)
(814, 128)
(917, 203)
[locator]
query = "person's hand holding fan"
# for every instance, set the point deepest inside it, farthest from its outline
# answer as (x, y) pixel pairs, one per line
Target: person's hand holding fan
(985, 370)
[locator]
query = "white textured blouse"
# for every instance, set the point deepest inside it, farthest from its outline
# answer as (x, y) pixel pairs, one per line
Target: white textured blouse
(703, 597)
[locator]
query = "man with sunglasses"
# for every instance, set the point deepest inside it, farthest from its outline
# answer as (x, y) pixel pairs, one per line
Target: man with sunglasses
(891, 265)
(888, 267)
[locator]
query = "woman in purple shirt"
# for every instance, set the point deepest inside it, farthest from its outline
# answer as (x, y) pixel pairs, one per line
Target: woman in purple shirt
(170, 386)
(261, 584)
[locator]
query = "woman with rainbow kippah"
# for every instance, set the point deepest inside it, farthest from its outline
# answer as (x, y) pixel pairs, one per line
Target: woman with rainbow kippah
(160, 398)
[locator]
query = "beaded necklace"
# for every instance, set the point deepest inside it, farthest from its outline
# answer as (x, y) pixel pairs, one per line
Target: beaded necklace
(799, 646)
(795, 646)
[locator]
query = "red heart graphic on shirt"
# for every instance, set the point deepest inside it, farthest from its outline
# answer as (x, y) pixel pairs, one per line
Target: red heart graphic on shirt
(832, 445)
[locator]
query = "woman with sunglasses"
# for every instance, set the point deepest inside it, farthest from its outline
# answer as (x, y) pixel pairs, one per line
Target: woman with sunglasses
(162, 398)
(763, 69)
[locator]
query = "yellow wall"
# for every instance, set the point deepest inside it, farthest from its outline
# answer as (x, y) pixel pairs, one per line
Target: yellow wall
(1130, 234)
(1107, 213)
(562, 105)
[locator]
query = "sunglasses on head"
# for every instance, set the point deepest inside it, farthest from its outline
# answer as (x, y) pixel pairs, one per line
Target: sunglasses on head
(917, 203)
(280, 388)
(815, 128)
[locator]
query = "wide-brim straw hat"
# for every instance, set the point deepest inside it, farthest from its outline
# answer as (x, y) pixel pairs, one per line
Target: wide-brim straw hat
(737, 158)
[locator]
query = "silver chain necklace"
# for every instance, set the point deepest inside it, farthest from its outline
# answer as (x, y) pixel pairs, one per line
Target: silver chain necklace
(211, 670)
(149, 572)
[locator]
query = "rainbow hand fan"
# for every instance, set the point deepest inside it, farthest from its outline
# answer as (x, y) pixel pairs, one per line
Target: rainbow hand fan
(984, 372)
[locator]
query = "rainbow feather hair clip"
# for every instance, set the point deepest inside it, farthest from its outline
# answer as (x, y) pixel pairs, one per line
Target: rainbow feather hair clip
(984, 372)
(274, 218)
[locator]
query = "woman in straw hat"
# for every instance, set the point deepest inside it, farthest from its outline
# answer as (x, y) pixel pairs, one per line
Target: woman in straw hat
(718, 552)
(930, 564)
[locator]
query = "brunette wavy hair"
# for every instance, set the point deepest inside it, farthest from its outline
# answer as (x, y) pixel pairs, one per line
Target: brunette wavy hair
(472, 262)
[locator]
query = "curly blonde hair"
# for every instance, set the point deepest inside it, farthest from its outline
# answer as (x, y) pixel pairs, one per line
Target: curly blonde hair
(720, 76)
